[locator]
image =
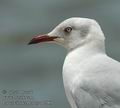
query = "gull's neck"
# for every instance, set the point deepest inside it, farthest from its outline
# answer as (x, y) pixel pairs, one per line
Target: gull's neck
(88, 50)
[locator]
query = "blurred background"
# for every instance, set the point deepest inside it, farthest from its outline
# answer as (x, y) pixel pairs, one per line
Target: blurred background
(38, 68)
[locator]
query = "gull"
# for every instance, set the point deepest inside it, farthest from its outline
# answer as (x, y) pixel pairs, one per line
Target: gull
(91, 78)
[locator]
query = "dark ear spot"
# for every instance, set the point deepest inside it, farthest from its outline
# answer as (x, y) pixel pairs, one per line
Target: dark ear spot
(84, 30)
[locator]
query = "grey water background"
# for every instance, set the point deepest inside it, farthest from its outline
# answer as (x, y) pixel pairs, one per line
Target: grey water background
(39, 67)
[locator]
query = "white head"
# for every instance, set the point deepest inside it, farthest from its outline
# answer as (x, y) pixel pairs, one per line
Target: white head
(73, 33)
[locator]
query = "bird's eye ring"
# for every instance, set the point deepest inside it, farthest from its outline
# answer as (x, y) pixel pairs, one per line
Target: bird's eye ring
(68, 29)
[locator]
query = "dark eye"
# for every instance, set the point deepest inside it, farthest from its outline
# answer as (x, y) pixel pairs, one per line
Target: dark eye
(68, 29)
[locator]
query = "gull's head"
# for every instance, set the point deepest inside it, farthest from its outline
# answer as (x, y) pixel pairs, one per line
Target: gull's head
(72, 33)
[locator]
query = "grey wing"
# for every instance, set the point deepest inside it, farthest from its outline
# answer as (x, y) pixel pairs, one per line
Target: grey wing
(84, 99)
(91, 98)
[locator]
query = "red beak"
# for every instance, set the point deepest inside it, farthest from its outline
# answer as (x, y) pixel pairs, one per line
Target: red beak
(42, 38)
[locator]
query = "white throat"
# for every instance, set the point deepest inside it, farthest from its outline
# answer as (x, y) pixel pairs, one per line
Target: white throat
(88, 49)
